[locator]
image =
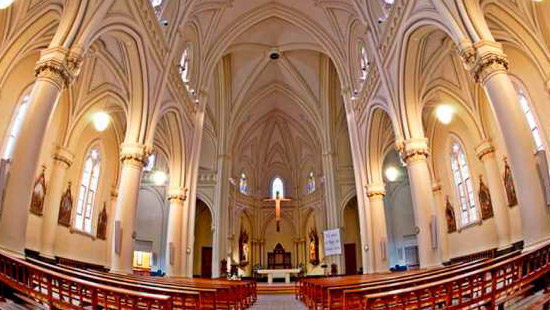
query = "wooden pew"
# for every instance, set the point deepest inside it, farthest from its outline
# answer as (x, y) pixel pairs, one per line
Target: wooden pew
(212, 294)
(60, 291)
(490, 286)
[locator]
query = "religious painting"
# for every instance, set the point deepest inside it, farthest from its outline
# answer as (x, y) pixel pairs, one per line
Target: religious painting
(450, 215)
(313, 247)
(485, 200)
(243, 248)
(65, 208)
(38, 194)
(509, 185)
(102, 223)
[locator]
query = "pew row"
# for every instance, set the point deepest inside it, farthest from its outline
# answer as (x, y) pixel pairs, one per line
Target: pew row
(489, 287)
(60, 291)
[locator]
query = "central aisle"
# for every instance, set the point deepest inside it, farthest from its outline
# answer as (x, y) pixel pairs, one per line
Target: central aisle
(278, 302)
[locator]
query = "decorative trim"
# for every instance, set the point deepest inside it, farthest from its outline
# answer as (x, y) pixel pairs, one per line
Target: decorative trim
(488, 65)
(414, 150)
(133, 154)
(63, 155)
(177, 195)
(58, 65)
(485, 148)
(375, 192)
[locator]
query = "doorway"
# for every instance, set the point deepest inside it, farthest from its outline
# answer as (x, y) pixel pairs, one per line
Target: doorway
(206, 262)
(351, 258)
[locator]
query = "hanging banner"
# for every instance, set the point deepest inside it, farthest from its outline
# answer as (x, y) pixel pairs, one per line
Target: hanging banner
(333, 244)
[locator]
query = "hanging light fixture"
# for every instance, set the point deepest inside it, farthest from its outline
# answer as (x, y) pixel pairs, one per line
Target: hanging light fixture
(101, 121)
(445, 114)
(5, 3)
(391, 173)
(159, 178)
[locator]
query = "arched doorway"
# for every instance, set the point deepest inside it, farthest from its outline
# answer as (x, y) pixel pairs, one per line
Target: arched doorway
(352, 237)
(202, 260)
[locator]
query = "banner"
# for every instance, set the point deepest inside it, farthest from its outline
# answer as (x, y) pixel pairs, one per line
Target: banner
(333, 245)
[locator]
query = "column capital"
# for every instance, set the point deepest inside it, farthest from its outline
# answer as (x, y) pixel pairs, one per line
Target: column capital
(177, 194)
(375, 191)
(485, 148)
(414, 149)
(133, 154)
(63, 155)
(490, 59)
(59, 65)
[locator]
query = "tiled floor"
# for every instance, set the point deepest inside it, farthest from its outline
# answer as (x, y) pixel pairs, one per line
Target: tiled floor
(278, 302)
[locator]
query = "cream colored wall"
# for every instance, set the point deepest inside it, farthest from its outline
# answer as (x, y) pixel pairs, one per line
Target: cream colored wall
(351, 232)
(203, 235)
(151, 221)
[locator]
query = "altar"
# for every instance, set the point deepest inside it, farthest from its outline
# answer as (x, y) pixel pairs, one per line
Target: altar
(278, 274)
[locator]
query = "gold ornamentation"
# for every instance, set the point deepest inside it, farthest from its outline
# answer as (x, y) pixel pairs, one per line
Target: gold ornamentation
(178, 195)
(61, 72)
(375, 192)
(489, 64)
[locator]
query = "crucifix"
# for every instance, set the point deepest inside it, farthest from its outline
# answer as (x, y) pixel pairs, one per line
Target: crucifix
(277, 200)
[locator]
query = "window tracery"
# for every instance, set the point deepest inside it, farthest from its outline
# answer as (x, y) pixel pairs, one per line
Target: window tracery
(243, 184)
(463, 184)
(310, 188)
(88, 191)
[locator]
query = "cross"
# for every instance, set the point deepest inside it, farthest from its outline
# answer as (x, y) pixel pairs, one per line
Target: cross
(277, 200)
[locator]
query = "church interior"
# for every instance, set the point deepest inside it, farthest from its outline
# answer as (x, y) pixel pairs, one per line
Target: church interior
(274, 154)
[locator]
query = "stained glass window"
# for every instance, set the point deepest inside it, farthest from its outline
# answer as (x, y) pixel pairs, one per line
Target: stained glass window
(463, 184)
(87, 192)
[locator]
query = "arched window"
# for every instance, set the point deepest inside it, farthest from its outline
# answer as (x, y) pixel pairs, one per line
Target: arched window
(364, 62)
(530, 120)
(150, 162)
(15, 127)
(243, 184)
(87, 192)
(386, 9)
(157, 6)
(277, 187)
(463, 184)
(310, 183)
(184, 65)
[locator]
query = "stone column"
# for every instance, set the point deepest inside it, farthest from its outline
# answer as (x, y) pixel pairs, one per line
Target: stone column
(486, 153)
(221, 243)
(63, 159)
(415, 153)
(332, 212)
(489, 67)
(111, 224)
(376, 194)
(133, 158)
(442, 221)
(56, 68)
(177, 197)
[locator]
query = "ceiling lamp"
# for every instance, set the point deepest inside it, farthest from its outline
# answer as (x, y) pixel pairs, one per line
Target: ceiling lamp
(5, 3)
(445, 114)
(159, 178)
(391, 174)
(101, 121)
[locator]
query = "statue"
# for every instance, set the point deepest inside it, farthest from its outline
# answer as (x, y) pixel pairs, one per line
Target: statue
(102, 223)
(243, 248)
(313, 247)
(485, 200)
(38, 194)
(277, 200)
(450, 215)
(65, 208)
(509, 185)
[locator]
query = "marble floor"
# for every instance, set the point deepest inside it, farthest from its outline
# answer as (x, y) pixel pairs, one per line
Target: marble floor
(278, 302)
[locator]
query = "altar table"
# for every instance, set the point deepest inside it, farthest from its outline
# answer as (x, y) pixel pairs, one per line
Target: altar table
(278, 273)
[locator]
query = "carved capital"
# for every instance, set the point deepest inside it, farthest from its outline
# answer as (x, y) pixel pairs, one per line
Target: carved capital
(375, 192)
(63, 155)
(59, 66)
(489, 64)
(468, 54)
(485, 148)
(177, 194)
(413, 150)
(133, 154)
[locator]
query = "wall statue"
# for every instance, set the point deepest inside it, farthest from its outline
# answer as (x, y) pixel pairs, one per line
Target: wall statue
(313, 247)
(38, 194)
(243, 248)
(509, 185)
(65, 208)
(485, 200)
(450, 215)
(102, 223)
